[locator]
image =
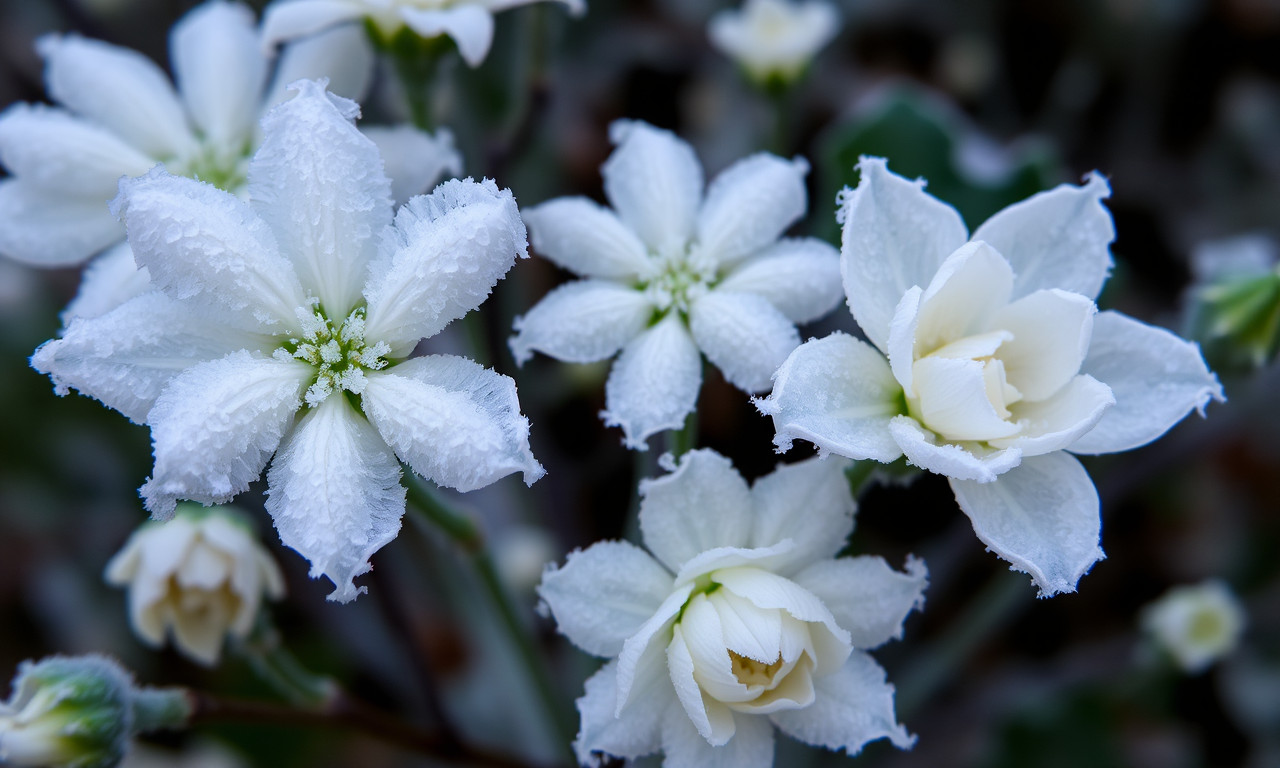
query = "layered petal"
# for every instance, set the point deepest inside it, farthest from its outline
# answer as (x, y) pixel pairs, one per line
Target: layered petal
(1056, 423)
(966, 461)
(704, 504)
(713, 721)
(768, 590)
(971, 286)
(452, 420)
(1051, 331)
(470, 26)
(58, 153)
(749, 205)
(654, 182)
(581, 322)
(107, 282)
(955, 400)
(743, 335)
(868, 599)
(1041, 516)
(1156, 377)
(818, 487)
(414, 159)
(643, 654)
(799, 277)
(586, 239)
(220, 71)
(48, 229)
(683, 747)
(637, 732)
(853, 706)
(299, 18)
(334, 492)
(341, 53)
(654, 382)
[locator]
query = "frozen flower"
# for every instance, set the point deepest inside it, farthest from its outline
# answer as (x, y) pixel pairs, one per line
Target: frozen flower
(469, 23)
(669, 271)
(201, 574)
(774, 40)
(284, 326)
(738, 619)
(990, 362)
(1197, 624)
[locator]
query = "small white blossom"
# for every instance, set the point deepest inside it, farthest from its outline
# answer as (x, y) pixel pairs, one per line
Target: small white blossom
(201, 575)
(671, 272)
(283, 326)
(469, 23)
(774, 39)
(990, 362)
(1196, 624)
(738, 619)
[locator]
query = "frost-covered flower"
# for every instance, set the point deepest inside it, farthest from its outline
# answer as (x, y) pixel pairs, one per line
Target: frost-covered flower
(739, 618)
(284, 326)
(469, 23)
(990, 362)
(202, 575)
(774, 39)
(670, 272)
(1197, 624)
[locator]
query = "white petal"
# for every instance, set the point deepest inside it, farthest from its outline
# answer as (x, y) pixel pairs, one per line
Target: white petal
(1056, 423)
(644, 652)
(470, 26)
(415, 160)
(654, 382)
(701, 633)
(745, 629)
(48, 229)
(452, 420)
(749, 205)
(220, 71)
(440, 261)
(718, 558)
(968, 461)
(318, 182)
(800, 277)
(57, 152)
(604, 594)
(107, 282)
(1156, 377)
(654, 182)
(198, 242)
(702, 505)
(971, 286)
(714, 721)
(126, 357)
(769, 590)
(586, 239)
(203, 568)
(1056, 239)
(1051, 331)
(217, 423)
(300, 18)
(901, 347)
(1041, 516)
(839, 394)
(895, 236)
(341, 53)
(867, 598)
(119, 89)
(637, 732)
(334, 492)
(581, 322)
(683, 747)
(576, 7)
(743, 335)
(808, 502)
(854, 706)
(954, 401)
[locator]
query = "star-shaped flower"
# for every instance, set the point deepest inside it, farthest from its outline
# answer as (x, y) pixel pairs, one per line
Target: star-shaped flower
(285, 326)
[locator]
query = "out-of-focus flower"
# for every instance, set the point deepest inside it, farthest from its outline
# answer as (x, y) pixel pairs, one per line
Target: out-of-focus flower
(1236, 300)
(201, 574)
(670, 273)
(283, 326)
(741, 620)
(80, 712)
(774, 40)
(1197, 624)
(469, 23)
(990, 362)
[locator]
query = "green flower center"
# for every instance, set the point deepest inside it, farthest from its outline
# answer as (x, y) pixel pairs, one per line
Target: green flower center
(339, 352)
(680, 280)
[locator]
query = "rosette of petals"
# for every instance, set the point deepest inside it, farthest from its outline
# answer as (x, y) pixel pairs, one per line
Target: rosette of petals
(1196, 624)
(990, 364)
(738, 619)
(282, 327)
(774, 40)
(670, 272)
(200, 576)
(469, 23)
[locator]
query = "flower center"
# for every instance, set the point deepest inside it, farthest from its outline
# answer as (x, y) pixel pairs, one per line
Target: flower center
(751, 672)
(340, 354)
(681, 278)
(227, 171)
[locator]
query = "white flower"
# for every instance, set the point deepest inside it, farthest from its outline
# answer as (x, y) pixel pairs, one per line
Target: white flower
(1197, 624)
(774, 38)
(997, 363)
(740, 620)
(469, 23)
(670, 272)
(202, 575)
(283, 326)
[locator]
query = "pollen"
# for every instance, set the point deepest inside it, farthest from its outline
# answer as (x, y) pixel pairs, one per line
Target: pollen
(340, 354)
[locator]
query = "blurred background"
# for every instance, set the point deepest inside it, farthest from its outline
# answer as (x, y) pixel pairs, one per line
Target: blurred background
(1177, 102)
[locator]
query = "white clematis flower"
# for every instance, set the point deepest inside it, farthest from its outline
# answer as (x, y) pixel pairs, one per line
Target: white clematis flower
(990, 362)
(469, 23)
(738, 619)
(774, 39)
(283, 326)
(670, 272)
(1197, 624)
(201, 575)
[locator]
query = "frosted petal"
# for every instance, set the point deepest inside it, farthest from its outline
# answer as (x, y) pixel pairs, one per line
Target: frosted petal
(107, 282)
(702, 505)
(749, 205)
(586, 239)
(683, 747)
(654, 182)
(807, 502)
(800, 277)
(581, 322)
(854, 706)
(963, 461)
(48, 229)
(1056, 423)
(654, 383)
(637, 732)
(743, 335)
(868, 599)
(58, 153)
(220, 71)
(415, 160)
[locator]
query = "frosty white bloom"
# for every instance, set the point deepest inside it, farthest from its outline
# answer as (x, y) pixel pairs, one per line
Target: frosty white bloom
(469, 23)
(201, 574)
(284, 326)
(739, 618)
(670, 272)
(774, 39)
(1196, 623)
(990, 361)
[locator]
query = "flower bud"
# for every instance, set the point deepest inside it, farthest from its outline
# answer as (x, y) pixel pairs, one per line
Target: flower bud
(1196, 624)
(774, 40)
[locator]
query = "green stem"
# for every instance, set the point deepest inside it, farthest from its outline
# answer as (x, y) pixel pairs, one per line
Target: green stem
(685, 439)
(278, 668)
